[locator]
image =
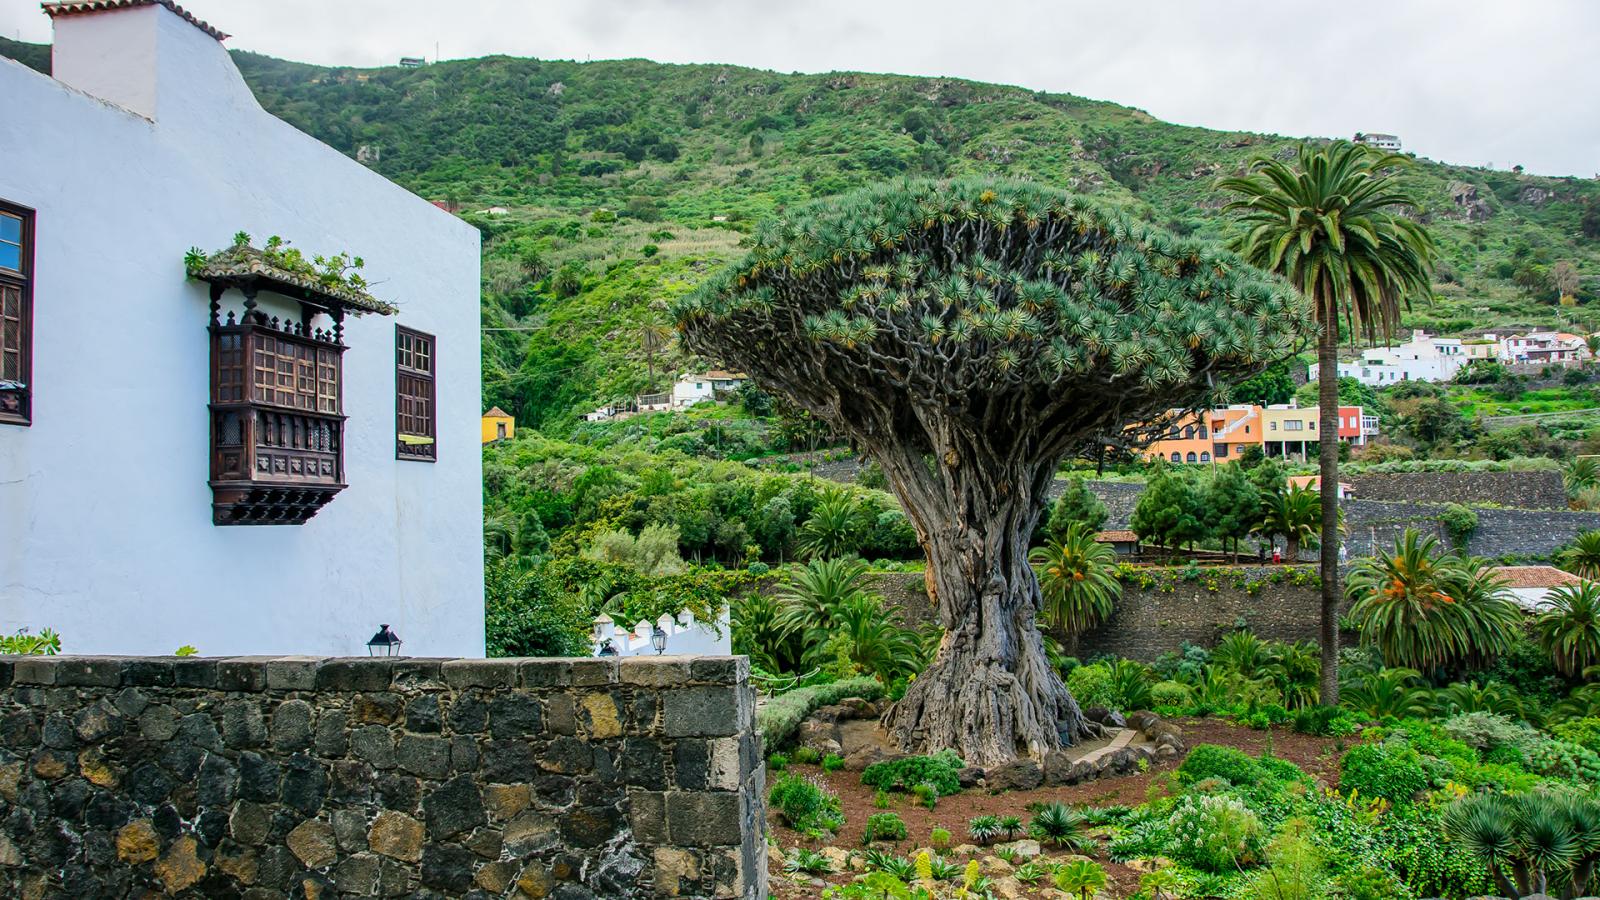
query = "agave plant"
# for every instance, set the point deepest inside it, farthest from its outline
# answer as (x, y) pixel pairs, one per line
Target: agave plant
(898, 866)
(984, 829)
(1081, 877)
(1387, 693)
(1030, 873)
(802, 861)
(1060, 825)
(941, 869)
(1078, 581)
(1569, 627)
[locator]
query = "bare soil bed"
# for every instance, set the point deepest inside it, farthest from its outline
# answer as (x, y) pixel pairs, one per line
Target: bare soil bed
(1319, 756)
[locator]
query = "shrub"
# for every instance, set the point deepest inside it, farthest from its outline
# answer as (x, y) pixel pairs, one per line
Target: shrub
(1391, 770)
(1120, 684)
(807, 756)
(939, 839)
(45, 643)
(1213, 761)
(1215, 833)
(881, 799)
(805, 805)
(780, 718)
(806, 862)
(939, 770)
(926, 794)
(833, 762)
(1584, 732)
(1483, 730)
(1091, 685)
(884, 827)
(1459, 522)
(778, 762)
(1323, 720)
(1171, 694)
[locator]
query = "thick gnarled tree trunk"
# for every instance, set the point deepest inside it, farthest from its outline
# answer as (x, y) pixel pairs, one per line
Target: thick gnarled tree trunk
(990, 693)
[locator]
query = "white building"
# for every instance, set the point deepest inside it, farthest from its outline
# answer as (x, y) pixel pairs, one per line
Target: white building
(1423, 358)
(147, 416)
(694, 387)
(1390, 142)
(1530, 586)
(1543, 348)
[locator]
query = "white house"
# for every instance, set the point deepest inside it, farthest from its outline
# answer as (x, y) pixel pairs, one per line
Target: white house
(1423, 358)
(1530, 586)
(1544, 348)
(155, 405)
(1390, 142)
(694, 387)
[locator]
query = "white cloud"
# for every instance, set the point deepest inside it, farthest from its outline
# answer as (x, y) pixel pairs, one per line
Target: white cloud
(1469, 81)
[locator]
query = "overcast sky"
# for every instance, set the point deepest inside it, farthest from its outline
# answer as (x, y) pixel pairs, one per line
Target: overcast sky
(1470, 81)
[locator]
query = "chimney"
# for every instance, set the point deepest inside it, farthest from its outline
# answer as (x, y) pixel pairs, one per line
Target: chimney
(115, 50)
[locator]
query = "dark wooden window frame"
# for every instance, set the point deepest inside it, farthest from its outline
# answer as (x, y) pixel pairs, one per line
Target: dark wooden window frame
(22, 282)
(402, 373)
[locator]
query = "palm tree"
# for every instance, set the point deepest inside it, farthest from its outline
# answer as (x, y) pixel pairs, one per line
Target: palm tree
(1583, 557)
(815, 593)
(1331, 224)
(1078, 580)
(1429, 610)
(1569, 628)
(1396, 692)
(834, 528)
(654, 337)
(1293, 513)
(871, 637)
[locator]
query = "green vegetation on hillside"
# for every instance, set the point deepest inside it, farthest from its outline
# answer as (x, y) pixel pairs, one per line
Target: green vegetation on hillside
(598, 163)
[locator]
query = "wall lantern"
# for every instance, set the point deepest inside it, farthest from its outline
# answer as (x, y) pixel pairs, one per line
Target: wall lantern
(384, 643)
(606, 648)
(658, 639)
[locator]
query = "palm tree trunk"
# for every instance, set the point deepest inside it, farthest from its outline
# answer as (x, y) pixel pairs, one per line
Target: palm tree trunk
(1328, 436)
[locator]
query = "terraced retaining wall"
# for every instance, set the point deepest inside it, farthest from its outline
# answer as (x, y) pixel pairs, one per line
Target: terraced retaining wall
(256, 777)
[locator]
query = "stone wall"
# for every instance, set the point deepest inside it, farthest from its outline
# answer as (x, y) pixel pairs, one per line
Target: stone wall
(256, 777)
(1154, 619)
(1522, 490)
(1510, 533)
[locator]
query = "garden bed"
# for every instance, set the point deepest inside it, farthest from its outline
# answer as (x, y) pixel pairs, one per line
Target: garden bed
(1318, 756)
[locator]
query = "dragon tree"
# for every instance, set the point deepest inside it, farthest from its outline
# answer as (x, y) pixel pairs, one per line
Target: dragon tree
(967, 335)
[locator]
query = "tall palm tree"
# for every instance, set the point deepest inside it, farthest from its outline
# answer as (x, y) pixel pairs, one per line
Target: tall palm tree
(817, 591)
(1078, 579)
(1331, 225)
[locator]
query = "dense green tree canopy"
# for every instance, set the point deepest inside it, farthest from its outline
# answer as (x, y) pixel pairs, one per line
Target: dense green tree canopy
(956, 294)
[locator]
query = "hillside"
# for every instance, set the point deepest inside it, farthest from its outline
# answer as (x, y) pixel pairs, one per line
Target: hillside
(625, 182)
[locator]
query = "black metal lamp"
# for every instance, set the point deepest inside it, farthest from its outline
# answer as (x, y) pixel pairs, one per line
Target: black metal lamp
(658, 639)
(384, 643)
(607, 648)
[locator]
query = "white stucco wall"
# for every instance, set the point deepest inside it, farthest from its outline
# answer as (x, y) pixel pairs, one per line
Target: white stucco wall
(105, 511)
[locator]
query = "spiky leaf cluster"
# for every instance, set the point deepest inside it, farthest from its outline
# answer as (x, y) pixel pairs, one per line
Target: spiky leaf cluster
(944, 291)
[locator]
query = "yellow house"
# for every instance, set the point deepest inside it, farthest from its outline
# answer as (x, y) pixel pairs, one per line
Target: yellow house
(497, 426)
(1289, 430)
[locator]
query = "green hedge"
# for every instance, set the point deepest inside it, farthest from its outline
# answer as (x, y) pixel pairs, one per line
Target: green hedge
(781, 716)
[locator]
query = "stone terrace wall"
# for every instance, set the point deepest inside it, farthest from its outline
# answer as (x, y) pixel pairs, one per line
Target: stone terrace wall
(1373, 524)
(258, 778)
(1154, 619)
(1523, 490)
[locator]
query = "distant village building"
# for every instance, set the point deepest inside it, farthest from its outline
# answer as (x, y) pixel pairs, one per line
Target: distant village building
(1314, 483)
(1123, 542)
(498, 425)
(412, 62)
(694, 387)
(1390, 142)
(1423, 358)
(219, 450)
(1221, 435)
(1544, 348)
